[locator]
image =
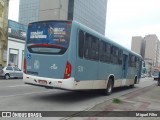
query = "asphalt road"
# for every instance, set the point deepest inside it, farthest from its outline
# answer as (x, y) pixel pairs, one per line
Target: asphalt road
(17, 96)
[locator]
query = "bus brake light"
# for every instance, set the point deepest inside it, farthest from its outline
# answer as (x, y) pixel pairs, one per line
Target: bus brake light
(24, 65)
(67, 73)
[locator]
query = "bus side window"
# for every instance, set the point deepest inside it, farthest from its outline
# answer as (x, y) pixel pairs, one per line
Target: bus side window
(105, 50)
(129, 61)
(108, 52)
(95, 48)
(87, 51)
(102, 51)
(91, 47)
(120, 57)
(132, 61)
(81, 44)
(114, 55)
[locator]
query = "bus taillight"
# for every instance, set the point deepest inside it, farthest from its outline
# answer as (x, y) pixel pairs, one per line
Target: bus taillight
(24, 65)
(67, 73)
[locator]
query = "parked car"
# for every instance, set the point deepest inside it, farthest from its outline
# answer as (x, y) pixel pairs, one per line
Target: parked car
(155, 75)
(11, 72)
(143, 76)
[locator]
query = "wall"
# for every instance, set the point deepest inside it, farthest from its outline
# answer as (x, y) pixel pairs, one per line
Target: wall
(3, 30)
(53, 10)
(91, 13)
(28, 11)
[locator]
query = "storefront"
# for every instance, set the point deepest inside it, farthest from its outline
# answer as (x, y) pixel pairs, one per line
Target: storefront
(15, 52)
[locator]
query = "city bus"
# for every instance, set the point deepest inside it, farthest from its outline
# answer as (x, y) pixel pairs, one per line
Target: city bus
(69, 55)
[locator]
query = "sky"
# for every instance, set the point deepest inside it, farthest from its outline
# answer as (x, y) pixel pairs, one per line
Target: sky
(125, 18)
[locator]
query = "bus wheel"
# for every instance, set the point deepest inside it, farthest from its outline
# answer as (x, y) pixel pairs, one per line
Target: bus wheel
(109, 88)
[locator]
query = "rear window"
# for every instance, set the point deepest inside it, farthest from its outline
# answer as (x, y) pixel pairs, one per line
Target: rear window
(48, 37)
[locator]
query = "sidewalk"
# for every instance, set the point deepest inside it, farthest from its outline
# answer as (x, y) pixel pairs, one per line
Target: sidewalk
(146, 99)
(143, 100)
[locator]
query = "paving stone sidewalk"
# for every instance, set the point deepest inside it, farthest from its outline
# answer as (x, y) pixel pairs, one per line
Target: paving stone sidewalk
(146, 99)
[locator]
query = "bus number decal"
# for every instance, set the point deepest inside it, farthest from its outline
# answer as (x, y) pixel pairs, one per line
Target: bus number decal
(80, 68)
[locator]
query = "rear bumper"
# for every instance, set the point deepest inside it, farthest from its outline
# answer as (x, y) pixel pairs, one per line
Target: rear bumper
(155, 77)
(50, 82)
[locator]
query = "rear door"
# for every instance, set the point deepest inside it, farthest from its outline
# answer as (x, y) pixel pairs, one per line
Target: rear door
(47, 48)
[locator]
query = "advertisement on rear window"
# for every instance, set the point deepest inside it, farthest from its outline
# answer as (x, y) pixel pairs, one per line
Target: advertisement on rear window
(48, 34)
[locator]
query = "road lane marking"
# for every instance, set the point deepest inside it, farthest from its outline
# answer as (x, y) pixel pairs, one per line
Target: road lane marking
(24, 94)
(18, 86)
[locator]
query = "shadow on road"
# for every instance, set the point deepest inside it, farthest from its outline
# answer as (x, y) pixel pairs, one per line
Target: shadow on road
(73, 96)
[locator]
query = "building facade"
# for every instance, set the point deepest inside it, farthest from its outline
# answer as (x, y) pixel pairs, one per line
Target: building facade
(137, 43)
(149, 48)
(28, 11)
(3, 31)
(152, 49)
(91, 13)
(16, 43)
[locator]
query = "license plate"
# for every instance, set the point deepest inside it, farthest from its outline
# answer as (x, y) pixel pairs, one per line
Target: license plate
(43, 82)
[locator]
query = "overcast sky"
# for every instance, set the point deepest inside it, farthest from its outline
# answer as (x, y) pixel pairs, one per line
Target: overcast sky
(125, 18)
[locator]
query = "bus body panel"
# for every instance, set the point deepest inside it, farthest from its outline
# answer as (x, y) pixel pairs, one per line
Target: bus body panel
(95, 70)
(85, 73)
(50, 64)
(52, 67)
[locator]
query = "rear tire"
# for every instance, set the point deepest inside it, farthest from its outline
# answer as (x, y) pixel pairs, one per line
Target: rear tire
(109, 88)
(7, 76)
(135, 81)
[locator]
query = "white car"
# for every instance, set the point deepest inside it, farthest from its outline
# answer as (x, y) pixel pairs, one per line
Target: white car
(11, 72)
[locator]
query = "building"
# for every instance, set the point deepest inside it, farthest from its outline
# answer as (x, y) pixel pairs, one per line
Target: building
(152, 49)
(138, 45)
(89, 12)
(3, 31)
(28, 11)
(149, 48)
(16, 42)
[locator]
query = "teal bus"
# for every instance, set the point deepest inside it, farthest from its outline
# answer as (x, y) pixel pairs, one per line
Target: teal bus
(68, 55)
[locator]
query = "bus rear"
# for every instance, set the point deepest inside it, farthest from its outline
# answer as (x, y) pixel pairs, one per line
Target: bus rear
(46, 55)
